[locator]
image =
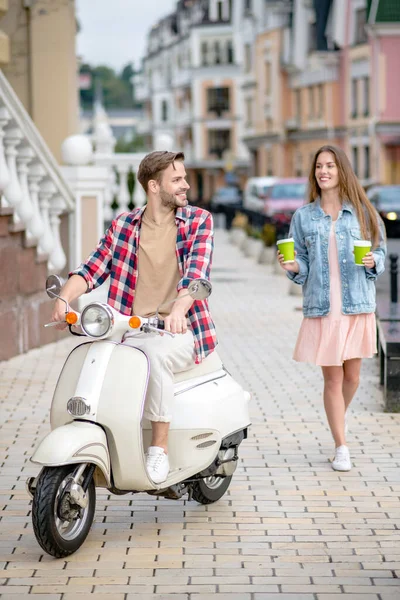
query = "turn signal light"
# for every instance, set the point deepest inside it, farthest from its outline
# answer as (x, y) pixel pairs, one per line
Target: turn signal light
(391, 216)
(71, 318)
(135, 322)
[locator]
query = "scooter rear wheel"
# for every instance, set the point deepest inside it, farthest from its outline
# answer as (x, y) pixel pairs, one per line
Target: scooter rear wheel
(210, 489)
(57, 534)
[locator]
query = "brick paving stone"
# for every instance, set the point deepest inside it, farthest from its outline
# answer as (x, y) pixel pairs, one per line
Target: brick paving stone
(288, 528)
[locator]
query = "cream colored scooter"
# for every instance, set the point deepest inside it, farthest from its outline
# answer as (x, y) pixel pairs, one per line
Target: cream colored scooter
(99, 436)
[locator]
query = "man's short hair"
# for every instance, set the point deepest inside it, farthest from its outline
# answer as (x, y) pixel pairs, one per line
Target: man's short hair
(153, 165)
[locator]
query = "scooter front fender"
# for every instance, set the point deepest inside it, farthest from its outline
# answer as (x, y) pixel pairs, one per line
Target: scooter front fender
(77, 442)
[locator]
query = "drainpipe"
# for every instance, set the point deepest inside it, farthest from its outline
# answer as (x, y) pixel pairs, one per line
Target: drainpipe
(27, 4)
(375, 69)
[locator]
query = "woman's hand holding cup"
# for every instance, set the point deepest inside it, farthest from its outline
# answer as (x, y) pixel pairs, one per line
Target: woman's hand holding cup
(286, 255)
(292, 266)
(368, 260)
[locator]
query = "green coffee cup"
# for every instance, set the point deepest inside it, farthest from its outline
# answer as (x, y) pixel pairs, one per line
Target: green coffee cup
(361, 248)
(286, 247)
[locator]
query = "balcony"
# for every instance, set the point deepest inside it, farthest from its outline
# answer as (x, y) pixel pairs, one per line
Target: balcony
(142, 89)
(218, 109)
(268, 107)
(144, 126)
(292, 124)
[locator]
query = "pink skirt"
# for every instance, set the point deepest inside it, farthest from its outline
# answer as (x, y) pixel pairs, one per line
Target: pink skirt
(325, 342)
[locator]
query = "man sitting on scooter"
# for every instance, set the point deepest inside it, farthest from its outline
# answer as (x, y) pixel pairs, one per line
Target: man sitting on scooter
(151, 254)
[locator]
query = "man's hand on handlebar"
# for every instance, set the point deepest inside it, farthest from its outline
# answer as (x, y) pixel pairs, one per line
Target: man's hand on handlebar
(58, 314)
(175, 322)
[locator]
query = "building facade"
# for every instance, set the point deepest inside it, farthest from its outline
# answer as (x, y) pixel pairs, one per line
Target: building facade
(41, 64)
(323, 71)
(264, 83)
(190, 86)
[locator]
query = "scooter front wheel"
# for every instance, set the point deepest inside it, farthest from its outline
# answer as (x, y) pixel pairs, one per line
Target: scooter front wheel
(210, 489)
(60, 526)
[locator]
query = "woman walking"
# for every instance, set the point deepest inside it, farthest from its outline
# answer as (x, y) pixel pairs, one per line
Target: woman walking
(338, 329)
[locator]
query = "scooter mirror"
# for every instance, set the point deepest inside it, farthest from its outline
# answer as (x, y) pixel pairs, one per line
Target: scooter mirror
(199, 289)
(54, 284)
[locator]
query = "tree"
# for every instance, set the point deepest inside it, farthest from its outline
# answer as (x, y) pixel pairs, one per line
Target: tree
(116, 89)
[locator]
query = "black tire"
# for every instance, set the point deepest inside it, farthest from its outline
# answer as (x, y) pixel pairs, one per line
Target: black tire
(210, 489)
(45, 517)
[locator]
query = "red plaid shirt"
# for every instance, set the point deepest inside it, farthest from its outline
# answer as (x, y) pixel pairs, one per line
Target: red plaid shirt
(117, 256)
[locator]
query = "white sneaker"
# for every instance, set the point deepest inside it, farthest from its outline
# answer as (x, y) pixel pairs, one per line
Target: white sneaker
(342, 461)
(157, 464)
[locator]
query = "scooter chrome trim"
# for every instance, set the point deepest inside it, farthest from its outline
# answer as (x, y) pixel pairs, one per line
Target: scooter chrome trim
(201, 381)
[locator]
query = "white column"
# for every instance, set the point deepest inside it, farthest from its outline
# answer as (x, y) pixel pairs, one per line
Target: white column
(57, 259)
(12, 192)
(4, 172)
(24, 208)
(109, 196)
(139, 197)
(123, 194)
(47, 190)
(89, 185)
(35, 176)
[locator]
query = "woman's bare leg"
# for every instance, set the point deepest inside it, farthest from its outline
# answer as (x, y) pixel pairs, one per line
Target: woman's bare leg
(334, 402)
(351, 379)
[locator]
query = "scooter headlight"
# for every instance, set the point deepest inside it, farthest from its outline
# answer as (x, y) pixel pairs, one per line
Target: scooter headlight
(97, 320)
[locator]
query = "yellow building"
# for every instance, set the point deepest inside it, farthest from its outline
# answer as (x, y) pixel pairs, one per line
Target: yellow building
(37, 56)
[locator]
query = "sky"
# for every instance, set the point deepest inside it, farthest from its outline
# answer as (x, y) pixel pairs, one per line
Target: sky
(114, 33)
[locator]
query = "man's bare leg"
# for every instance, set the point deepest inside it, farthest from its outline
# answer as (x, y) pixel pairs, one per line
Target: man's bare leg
(160, 435)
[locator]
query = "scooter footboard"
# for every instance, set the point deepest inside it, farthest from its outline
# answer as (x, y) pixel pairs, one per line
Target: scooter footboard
(76, 442)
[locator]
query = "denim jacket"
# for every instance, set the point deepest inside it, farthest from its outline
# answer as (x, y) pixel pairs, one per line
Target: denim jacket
(310, 229)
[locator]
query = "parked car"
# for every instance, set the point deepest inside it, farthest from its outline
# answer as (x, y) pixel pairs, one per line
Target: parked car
(284, 197)
(386, 199)
(226, 197)
(255, 192)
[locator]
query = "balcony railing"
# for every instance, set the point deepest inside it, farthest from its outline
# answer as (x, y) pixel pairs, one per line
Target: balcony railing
(32, 187)
(122, 169)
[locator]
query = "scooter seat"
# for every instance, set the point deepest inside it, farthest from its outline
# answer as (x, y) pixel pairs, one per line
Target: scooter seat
(208, 365)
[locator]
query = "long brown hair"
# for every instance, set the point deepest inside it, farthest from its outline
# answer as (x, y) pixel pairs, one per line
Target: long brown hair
(349, 189)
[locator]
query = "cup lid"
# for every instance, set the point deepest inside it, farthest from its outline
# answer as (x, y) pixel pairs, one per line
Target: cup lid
(362, 243)
(285, 240)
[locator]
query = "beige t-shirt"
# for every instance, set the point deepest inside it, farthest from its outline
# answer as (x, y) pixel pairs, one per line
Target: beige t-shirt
(158, 273)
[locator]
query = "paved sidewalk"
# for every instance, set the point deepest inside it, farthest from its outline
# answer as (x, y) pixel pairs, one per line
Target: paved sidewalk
(289, 528)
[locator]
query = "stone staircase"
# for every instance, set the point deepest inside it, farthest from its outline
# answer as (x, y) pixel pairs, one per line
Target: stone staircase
(35, 204)
(24, 305)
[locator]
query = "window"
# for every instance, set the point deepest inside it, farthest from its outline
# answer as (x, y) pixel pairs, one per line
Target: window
(360, 36)
(267, 78)
(270, 164)
(292, 191)
(320, 100)
(311, 107)
(229, 52)
(164, 110)
(355, 160)
(366, 162)
(217, 53)
(218, 100)
(247, 58)
(220, 11)
(219, 140)
(298, 105)
(312, 37)
(366, 96)
(248, 7)
(204, 53)
(354, 102)
(249, 112)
